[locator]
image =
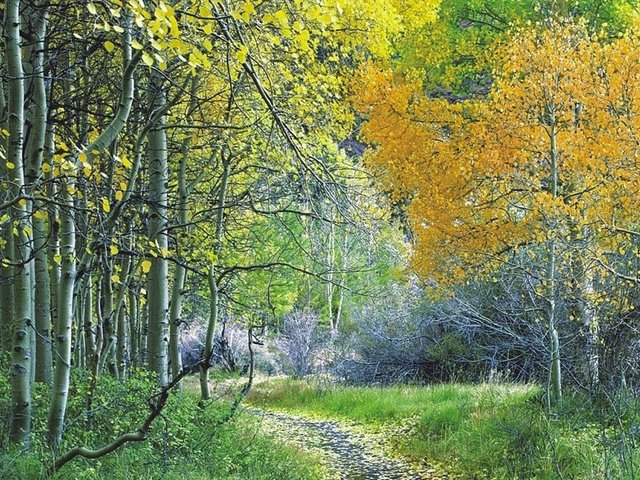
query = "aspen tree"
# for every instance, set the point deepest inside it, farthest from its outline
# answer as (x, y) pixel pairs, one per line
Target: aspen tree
(23, 324)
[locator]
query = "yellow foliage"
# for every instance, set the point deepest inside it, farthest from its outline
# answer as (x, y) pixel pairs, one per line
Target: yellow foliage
(477, 172)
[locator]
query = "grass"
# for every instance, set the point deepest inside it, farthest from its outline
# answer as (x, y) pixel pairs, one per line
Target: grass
(189, 442)
(480, 432)
(477, 431)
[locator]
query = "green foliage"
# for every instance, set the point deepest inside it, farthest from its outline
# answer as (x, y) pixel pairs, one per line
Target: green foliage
(453, 51)
(188, 442)
(484, 431)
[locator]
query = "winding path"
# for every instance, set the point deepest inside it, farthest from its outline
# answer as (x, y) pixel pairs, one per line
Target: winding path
(348, 453)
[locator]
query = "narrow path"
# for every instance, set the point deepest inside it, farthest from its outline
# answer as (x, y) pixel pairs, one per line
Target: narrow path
(349, 453)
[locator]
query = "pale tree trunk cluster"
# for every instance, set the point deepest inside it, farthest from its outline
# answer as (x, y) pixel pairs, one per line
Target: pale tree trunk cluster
(104, 130)
(66, 298)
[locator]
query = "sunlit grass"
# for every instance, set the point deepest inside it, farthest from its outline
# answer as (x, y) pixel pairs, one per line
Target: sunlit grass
(487, 431)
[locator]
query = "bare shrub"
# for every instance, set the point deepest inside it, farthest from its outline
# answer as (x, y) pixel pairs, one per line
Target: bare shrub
(230, 350)
(299, 342)
(389, 343)
(192, 335)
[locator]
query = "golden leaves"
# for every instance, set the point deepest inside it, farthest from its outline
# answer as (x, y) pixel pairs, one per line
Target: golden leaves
(477, 173)
(146, 266)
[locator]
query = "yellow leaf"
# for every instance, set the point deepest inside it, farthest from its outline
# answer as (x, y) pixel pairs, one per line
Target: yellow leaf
(105, 205)
(146, 266)
(241, 54)
(92, 9)
(147, 59)
(136, 44)
(281, 16)
(11, 165)
(57, 258)
(109, 46)
(115, 278)
(114, 249)
(119, 195)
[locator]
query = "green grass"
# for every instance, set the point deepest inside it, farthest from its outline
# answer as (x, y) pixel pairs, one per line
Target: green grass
(477, 431)
(189, 443)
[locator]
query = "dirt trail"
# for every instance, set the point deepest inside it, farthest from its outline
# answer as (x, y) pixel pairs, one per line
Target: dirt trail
(349, 453)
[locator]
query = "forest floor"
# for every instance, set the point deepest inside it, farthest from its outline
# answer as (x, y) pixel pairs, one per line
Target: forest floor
(349, 451)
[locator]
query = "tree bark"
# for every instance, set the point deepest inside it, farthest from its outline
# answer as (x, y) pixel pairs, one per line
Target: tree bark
(180, 272)
(207, 352)
(23, 323)
(157, 286)
(60, 389)
(554, 382)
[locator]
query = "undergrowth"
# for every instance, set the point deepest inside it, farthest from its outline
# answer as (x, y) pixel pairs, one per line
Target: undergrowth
(188, 442)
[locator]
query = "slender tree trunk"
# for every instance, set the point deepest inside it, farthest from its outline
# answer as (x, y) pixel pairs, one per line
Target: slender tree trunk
(144, 327)
(37, 118)
(207, 352)
(53, 243)
(331, 257)
(6, 241)
(122, 349)
(42, 301)
(123, 345)
(97, 357)
(6, 290)
(78, 336)
(175, 320)
(341, 285)
(108, 320)
(87, 322)
(554, 384)
(60, 389)
(6, 244)
(134, 326)
(157, 289)
(23, 323)
(179, 277)
(587, 317)
(205, 390)
(180, 272)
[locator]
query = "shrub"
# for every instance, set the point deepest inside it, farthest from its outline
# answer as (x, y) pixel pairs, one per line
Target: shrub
(299, 342)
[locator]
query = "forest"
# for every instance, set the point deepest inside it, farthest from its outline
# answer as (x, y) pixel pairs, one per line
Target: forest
(320, 239)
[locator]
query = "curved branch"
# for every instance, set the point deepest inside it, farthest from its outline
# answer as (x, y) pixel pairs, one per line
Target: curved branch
(156, 404)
